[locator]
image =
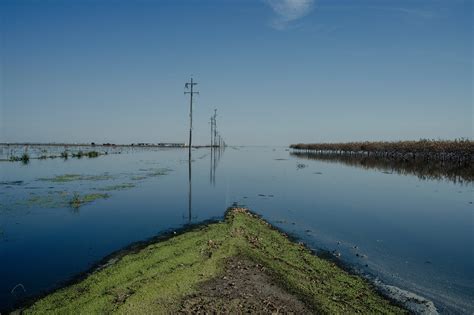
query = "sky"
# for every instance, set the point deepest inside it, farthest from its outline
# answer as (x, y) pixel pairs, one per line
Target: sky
(278, 71)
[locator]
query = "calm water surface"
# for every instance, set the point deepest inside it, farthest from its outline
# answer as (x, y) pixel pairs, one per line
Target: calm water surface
(412, 233)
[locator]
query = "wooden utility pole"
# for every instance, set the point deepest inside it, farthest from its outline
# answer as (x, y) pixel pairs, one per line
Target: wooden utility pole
(190, 86)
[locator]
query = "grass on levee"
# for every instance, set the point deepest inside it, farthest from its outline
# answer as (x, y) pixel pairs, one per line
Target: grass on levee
(158, 277)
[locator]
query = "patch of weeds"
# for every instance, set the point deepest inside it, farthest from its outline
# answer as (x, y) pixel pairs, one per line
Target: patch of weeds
(65, 155)
(76, 177)
(78, 155)
(57, 199)
(78, 200)
(92, 154)
(138, 177)
(117, 187)
(75, 201)
(158, 172)
(25, 158)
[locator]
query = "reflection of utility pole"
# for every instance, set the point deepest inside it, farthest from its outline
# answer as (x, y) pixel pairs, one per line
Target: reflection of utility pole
(190, 86)
(189, 192)
(215, 126)
(212, 130)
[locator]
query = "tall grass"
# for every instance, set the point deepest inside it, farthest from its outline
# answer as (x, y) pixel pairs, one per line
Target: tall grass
(24, 158)
(92, 154)
(460, 149)
(78, 155)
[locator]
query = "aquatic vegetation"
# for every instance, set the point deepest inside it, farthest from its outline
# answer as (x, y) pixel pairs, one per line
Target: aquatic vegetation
(57, 199)
(78, 200)
(24, 158)
(78, 155)
(158, 172)
(92, 154)
(150, 172)
(159, 277)
(76, 177)
(459, 150)
(42, 157)
(64, 155)
(117, 187)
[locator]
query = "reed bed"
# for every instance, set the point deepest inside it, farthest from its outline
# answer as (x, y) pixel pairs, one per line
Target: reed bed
(459, 150)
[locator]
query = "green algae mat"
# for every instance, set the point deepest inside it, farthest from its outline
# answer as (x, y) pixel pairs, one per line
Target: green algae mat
(162, 277)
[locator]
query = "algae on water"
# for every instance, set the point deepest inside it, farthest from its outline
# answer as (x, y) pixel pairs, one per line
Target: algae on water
(78, 200)
(76, 177)
(116, 187)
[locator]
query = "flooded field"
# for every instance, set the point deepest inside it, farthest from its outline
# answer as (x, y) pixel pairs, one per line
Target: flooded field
(405, 225)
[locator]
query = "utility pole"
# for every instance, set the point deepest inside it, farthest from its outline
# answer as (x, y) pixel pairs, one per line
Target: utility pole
(190, 86)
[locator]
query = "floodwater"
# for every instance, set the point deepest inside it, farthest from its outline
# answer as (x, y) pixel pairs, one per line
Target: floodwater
(410, 231)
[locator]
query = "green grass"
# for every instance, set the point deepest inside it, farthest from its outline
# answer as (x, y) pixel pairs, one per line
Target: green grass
(156, 278)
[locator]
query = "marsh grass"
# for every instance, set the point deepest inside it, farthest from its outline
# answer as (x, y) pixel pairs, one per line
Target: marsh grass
(24, 158)
(92, 154)
(78, 200)
(78, 155)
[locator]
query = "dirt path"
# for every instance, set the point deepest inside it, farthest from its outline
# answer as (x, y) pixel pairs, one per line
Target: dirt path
(245, 287)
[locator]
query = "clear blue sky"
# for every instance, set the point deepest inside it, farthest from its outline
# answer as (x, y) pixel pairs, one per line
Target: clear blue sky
(279, 71)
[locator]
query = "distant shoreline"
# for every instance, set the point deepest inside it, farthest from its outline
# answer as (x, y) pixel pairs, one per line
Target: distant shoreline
(108, 145)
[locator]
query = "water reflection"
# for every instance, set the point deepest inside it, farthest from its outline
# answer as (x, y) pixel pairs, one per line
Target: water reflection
(215, 156)
(190, 187)
(432, 170)
(216, 153)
